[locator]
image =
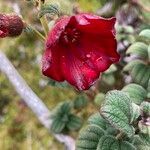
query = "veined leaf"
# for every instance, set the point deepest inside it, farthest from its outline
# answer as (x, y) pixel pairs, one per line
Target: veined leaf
(74, 122)
(124, 145)
(117, 110)
(97, 119)
(108, 142)
(136, 92)
(49, 8)
(141, 74)
(89, 137)
(139, 49)
(145, 33)
(131, 64)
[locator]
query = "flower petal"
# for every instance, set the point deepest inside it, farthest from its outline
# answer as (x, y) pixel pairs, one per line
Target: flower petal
(51, 65)
(55, 33)
(94, 24)
(78, 73)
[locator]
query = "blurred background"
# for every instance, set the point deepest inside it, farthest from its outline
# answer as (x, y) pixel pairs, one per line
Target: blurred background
(19, 127)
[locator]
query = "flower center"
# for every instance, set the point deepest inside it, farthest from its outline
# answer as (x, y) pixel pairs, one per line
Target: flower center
(70, 35)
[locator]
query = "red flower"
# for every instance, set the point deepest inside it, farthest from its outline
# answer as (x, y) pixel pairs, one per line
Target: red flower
(78, 48)
(10, 25)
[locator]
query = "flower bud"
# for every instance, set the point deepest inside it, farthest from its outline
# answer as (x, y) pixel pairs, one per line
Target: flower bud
(11, 25)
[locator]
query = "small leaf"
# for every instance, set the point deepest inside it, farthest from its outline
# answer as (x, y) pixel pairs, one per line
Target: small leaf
(145, 33)
(136, 92)
(57, 126)
(149, 53)
(139, 143)
(89, 137)
(141, 74)
(111, 69)
(136, 112)
(52, 9)
(80, 102)
(97, 119)
(145, 107)
(99, 98)
(145, 138)
(139, 49)
(131, 64)
(117, 110)
(108, 142)
(74, 122)
(124, 145)
(108, 79)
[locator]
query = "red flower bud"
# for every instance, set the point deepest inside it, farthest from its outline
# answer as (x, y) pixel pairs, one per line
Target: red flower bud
(10, 25)
(79, 48)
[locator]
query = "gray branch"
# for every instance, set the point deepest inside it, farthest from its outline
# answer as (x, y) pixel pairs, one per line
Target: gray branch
(31, 99)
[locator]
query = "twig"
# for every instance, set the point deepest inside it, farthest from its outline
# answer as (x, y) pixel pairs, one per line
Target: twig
(31, 99)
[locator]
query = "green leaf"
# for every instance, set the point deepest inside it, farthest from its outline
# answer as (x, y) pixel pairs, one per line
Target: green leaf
(145, 107)
(57, 126)
(117, 110)
(89, 137)
(108, 142)
(136, 112)
(139, 49)
(149, 53)
(141, 74)
(145, 138)
(74, 122)
(80, 102)
(145, 33)
(99, 98)
(111, 131)
(131, 64)
(140, 143)
(51, 9)
(108, 79)
(97, 119)
(111, 69)
(136, 92)
(124, 145)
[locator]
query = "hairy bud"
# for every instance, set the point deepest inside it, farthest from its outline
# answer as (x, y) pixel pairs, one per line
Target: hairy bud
(11, 25)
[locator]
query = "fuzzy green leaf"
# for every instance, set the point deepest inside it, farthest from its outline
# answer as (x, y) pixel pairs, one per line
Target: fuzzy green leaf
(89, 137)
(80, 102)
(57, 126)
(140, 143)
(145, 33)
(145, 107)
(124, 145)
(139, 49)
(74, 122)
(141, 74)
(111, 69)
(99, 98)
(97, 119)
(117, 110)
(51, 9)
(131, 64)
(108, 142)
(136, 92)
(145, 138)
(136, 112)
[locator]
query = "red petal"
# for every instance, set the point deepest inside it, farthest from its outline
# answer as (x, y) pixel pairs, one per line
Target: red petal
(77, 72)
(51, 65)
(55, 33)
(93, 24)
